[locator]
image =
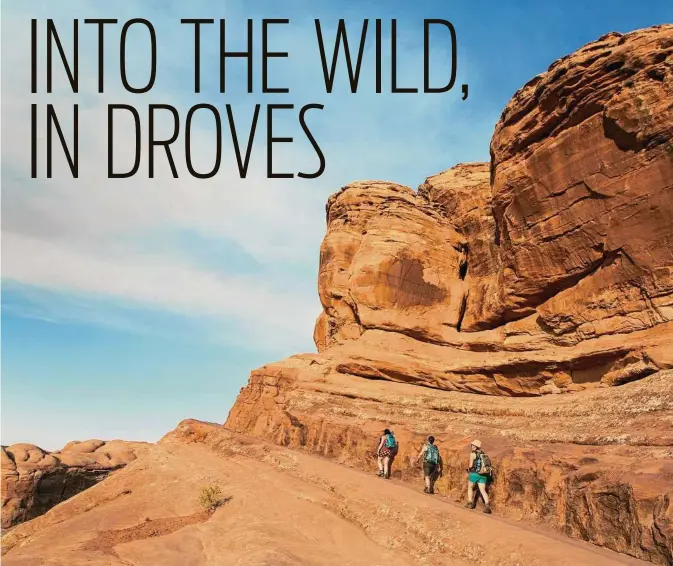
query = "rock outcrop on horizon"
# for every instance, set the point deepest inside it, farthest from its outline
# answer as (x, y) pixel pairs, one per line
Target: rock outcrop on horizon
(34, 480)
(547, 274)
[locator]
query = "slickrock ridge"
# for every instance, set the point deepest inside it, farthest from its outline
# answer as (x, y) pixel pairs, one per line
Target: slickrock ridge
(34, 480)
(596, 465)
(278, 507)
(547, 274)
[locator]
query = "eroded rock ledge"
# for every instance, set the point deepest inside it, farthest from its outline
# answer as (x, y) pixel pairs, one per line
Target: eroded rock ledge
(547, 274)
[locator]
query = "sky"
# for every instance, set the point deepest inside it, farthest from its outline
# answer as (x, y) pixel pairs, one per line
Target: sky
(130, 304)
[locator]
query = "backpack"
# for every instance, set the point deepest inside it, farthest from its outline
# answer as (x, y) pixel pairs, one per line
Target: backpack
(390, 441)
(483, 465)
(432, 454)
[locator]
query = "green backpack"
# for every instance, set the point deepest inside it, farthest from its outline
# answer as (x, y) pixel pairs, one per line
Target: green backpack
(390, 440)
(484, 465)
(432, 454)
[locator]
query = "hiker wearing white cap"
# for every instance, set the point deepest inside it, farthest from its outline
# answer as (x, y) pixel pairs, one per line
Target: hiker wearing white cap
(479, 473)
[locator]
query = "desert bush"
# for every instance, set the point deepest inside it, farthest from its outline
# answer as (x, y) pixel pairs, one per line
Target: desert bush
(210, 497)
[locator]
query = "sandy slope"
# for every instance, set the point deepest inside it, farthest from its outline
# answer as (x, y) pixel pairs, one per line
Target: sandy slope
(283, 508)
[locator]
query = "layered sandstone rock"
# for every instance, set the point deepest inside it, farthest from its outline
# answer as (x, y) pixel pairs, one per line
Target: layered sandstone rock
(564, 240)
(596, 465)
(547, 273)
(372, 274)
(34, 480)
(582, 175)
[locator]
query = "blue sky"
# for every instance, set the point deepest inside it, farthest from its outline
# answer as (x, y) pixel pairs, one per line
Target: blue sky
(128, 305)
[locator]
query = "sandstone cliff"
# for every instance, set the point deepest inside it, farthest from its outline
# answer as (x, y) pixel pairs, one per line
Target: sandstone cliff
(34, 480)
(548, 270)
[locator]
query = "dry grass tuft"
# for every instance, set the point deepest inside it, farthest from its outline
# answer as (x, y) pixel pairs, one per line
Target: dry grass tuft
(210, 497)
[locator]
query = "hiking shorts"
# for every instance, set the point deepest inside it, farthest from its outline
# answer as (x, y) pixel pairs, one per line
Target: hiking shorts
(429, 469)
(474, 477)
(387, 452)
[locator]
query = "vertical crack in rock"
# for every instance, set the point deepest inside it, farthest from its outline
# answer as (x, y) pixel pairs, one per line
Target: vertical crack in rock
(462, 269)
(462, 274)
(354, 309)
(463, 309)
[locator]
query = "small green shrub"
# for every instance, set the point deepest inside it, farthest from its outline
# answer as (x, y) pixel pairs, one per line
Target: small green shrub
(210, 497)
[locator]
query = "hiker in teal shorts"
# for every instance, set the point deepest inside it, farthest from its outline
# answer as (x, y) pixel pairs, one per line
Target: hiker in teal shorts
(479, 473)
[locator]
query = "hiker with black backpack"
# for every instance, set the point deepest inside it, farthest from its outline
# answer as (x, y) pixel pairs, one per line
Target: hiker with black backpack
(432, 464)
(386, 452)
(479, 474)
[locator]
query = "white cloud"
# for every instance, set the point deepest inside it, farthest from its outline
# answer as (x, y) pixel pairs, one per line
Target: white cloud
(157, 281)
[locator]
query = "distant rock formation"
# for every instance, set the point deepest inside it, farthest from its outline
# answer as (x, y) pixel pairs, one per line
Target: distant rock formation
(34, 480)
(548, 270)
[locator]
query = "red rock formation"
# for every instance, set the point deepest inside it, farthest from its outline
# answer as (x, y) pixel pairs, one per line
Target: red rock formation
(582, 174)
(596, 465)
(463, 195)
(34, 480)
(372, 274)
(548, 271)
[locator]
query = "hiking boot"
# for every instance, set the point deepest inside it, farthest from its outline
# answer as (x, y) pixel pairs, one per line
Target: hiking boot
(425, 490)
(487, 509)
(431, 491)
(380, 474)
(470, 505)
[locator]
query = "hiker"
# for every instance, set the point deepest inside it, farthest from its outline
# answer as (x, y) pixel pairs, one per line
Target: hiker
(386, 453)
(432, 464)
(479, 473)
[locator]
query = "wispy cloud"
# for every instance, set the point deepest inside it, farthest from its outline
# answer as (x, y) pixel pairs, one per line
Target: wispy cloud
(157, 281)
